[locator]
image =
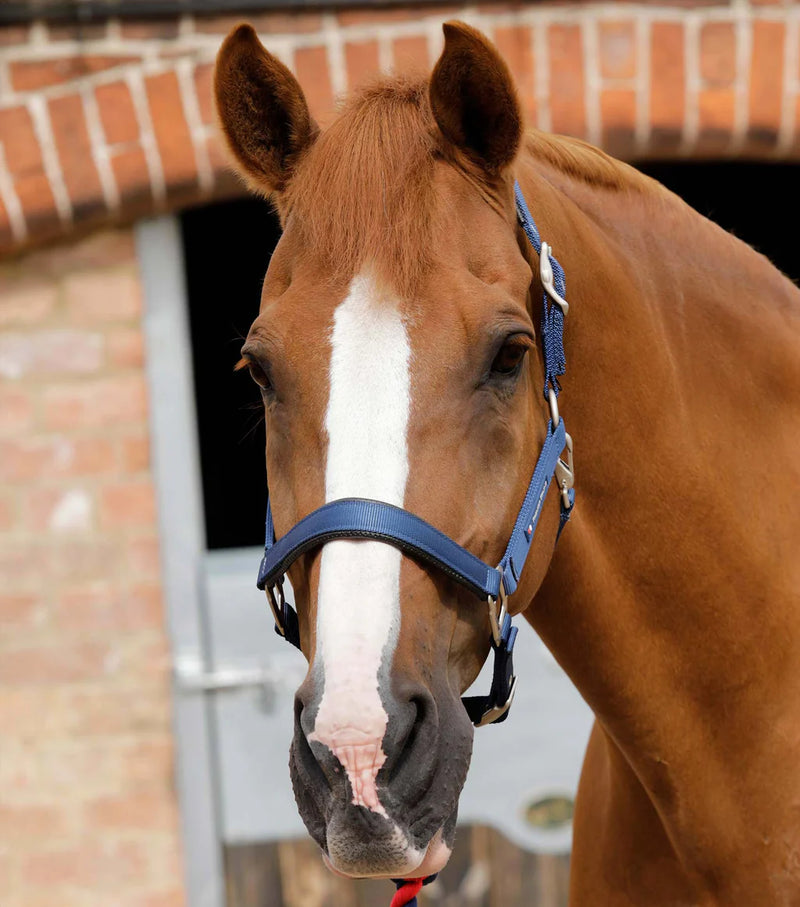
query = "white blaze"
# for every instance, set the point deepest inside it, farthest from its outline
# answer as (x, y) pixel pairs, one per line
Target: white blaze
(358, 607)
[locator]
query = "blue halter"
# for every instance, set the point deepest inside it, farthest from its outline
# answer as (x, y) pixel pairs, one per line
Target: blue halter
(358, 518)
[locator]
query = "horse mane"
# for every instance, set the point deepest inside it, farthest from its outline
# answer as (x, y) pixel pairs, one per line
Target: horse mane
(364, 191)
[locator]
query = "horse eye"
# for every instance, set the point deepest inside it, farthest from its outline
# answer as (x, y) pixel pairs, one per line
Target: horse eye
(509, 359)
(257, 373)
(260, 377)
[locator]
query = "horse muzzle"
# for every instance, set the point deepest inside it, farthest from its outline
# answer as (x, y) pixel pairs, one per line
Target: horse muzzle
(386, 806)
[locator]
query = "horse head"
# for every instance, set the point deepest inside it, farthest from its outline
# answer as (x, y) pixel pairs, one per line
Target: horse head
(395, 351)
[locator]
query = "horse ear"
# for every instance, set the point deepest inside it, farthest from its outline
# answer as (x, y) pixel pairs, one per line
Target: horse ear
(262, 111)
(473, 98)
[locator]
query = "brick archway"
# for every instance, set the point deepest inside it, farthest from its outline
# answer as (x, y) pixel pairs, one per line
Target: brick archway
(110, 121)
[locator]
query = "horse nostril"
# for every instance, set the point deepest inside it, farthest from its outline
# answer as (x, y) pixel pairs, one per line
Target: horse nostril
(416, 728)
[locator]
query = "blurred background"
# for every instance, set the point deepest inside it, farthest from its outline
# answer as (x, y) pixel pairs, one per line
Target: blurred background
(145, 704)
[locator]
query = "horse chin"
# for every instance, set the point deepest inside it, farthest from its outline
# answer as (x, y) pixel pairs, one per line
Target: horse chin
(390, 855)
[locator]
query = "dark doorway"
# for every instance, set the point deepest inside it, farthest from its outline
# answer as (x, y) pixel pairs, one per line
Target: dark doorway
(227, 249)
(755, 201)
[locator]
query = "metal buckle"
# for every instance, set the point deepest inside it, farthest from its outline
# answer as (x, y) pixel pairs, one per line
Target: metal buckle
(565, 472)
(546, 276)
(278, 607)
(496, 617)
(555, 417)
(491, 715)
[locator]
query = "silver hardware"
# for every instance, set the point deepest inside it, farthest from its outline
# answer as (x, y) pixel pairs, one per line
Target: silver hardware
(498, 711)
(565, 472)
(546, 276)
(278, 607)
(496, 617)
(553, 401)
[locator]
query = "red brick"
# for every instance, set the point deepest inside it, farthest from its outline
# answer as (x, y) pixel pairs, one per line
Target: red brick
(203, 81)
(618, 118)
(311, 69)
(277, 23)
(38, 205)
(766, 82)
(18, 611)
(75, 711)
(75, 153)
(667, 82)
(24, 162)
(32, 821)
(17, 410)
(20, 145)
(101, 249)
(411, 53)
(8, 512)
(27, 459)
(716, 114)
(142, 556)
(60, 662)
(127, 504)
(132, 177)
(567, 81)
(150, 29)
(718, 54)
(128, 812)
(172, 133)
(516, 46)
(97, 402)
(14, 34)
(125, 348)
(102, 864)
(135, 454)
(101, 608)
(101, 297)
(617, 49)
(117, 113)
(376, 15)
(361, 60)
(76, 31)
(80, 559)
(49, 353)
(26, 300)
(33, 75)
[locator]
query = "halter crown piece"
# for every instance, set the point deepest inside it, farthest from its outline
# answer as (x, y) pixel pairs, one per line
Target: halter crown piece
(359, 518)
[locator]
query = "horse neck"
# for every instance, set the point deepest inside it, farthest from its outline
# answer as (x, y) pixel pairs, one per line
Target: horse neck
(672, 597)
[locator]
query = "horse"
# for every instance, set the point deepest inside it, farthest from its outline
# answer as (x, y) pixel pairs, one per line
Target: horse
(397, 354)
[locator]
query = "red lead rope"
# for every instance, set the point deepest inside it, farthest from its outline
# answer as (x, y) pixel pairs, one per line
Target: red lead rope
(407, 892)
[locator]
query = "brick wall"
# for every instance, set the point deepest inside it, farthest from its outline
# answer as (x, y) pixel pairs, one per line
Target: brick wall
(106, 121)
(88, 816)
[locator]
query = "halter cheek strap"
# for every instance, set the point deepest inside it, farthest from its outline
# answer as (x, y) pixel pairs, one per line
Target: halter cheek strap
(359, 518)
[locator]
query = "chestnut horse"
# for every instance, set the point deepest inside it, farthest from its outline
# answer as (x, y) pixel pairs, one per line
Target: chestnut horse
(395, 353)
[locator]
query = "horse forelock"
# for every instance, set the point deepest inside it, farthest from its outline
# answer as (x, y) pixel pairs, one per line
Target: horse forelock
(364, 192)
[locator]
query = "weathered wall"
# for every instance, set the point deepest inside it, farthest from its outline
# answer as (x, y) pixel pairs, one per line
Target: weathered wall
(88, 814)
(107, 121)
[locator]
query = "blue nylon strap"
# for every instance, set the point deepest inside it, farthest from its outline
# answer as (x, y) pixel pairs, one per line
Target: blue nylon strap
(359, 518)
(552, 319)
(519, 544)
